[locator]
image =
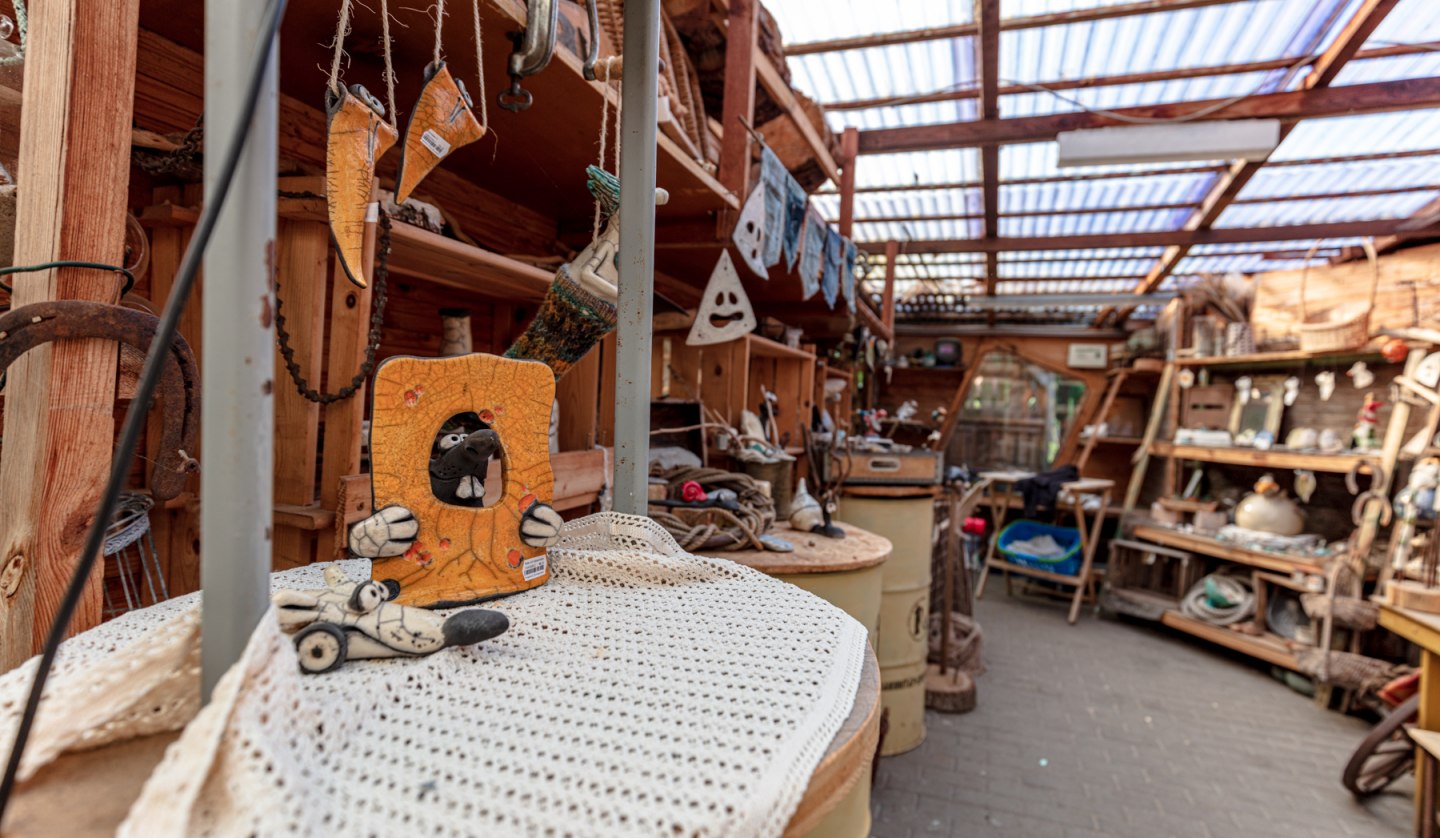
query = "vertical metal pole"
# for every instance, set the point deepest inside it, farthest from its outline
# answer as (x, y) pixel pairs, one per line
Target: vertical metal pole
(638, 92)
(238, 409)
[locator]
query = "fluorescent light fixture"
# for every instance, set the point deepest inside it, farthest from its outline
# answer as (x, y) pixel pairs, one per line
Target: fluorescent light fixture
(1240, 139)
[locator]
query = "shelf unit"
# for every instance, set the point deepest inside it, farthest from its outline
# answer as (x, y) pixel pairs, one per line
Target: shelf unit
(1207, 546)
(1274, 458)
(1266, 647)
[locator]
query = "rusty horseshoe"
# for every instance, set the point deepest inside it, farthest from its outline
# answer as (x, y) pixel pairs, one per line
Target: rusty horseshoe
(29, 326)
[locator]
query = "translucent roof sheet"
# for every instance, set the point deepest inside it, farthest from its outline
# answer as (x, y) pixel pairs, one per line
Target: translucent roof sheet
(1303, 182)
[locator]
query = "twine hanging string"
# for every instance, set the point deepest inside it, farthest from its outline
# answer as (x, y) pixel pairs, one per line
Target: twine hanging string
(604, 134)
(480, 68)
(439, 24)
(389, 65)
(340, 31)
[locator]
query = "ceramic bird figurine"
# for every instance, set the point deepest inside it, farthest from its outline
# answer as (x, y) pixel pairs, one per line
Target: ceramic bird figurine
(1304, 484)
(805, 512)
(1267, 509)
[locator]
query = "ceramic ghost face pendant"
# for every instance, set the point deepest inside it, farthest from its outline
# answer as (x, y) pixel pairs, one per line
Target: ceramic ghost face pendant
(749, 234)
(1326, 382)
(725, 313)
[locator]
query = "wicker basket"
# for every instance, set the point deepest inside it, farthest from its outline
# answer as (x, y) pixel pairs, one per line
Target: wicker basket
(1346, 326)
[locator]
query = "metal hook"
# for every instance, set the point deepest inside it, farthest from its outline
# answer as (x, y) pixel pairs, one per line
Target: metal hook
(592, 47)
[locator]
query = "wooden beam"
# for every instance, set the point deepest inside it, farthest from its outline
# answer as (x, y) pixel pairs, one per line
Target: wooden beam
(849, 143)
(1347, 44)
(987, 67)
(962, 30)
(1177, 74)
(1264, 199)
(784, 96)
(1290, 106)
(887, 298)
(1159, 171)
(739, 103)
(59, 426)
(1228, 187)
(1161, 238)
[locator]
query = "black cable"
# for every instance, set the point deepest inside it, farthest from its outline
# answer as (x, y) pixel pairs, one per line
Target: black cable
(135, 417)
(69, 263)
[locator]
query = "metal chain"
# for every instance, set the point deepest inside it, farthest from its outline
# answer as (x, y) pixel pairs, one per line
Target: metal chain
(372, 341)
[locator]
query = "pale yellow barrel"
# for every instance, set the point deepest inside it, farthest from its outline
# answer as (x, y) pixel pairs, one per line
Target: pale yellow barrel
(851, 816)
(905, 516)
(856, 592)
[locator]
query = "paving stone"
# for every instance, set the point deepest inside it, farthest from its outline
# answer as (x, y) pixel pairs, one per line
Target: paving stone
(1117, 728)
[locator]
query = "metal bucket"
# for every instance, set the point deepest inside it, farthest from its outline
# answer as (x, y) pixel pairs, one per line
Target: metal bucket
(780, 476)
(904, 606)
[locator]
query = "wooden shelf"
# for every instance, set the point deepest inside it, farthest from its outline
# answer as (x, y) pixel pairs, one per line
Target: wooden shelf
(1254, 457)
(1216, 548)
(1267, 647)
(1290, 358)
(1116, 440)
(767, 348)
(419, 253)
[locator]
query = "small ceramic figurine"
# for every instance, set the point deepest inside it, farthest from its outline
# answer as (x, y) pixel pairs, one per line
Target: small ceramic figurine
(1267, 509)
(1331, 442)
(356, 620)
(1360, 375)
(1325, 381)
(1292, 390)
(1304, 484)
(1367, 435)
(1243, 388)
(805, 511)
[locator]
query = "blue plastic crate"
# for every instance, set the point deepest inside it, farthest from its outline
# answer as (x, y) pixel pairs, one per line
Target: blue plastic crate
(1067, 564)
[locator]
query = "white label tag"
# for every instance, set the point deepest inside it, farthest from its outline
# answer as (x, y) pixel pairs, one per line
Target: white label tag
(533, 568)
(372, 213)
(435, 143)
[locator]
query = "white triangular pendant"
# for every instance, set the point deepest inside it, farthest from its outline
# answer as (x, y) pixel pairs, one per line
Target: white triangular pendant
(725, 313)
(1428, 373)
(749, 234)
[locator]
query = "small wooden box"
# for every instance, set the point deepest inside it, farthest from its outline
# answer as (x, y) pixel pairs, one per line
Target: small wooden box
(913, 468)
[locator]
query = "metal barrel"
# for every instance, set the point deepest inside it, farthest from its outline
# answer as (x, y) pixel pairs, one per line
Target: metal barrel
(906, 517)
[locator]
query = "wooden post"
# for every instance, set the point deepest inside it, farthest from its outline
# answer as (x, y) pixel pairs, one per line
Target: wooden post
(304, 252)
(887, 299)
(350, 309)
(59, 424)
(739, 102)
(849, 150)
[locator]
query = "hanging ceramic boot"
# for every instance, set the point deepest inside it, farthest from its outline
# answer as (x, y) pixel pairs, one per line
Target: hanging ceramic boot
(358, 137)
(441, 122)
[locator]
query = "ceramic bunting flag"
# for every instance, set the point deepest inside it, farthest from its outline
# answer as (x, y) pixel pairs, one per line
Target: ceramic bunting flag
(725, 313)
(749, 234)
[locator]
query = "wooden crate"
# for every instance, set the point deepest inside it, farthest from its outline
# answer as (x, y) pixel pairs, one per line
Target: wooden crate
(914, 468)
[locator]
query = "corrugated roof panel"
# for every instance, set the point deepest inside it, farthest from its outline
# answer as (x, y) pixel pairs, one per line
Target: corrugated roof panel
(923, 167)
(1088, 194)
(1327, 178)
(825, 20)
(1076, 224)
(1249, 263)
(1113, 267)
(1330, 245)
(1097, 253)
(1336, 209)
(1367, 134)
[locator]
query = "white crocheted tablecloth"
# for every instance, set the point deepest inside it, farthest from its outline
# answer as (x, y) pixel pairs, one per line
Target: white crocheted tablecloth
(643, 691)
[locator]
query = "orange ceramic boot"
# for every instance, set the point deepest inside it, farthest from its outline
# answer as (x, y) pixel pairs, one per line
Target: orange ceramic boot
(358, 137)
(441, 122)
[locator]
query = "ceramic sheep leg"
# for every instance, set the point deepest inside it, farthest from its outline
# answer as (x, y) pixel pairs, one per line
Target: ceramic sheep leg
(356, 621)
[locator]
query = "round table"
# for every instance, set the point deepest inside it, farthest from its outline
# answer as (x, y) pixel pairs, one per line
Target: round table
(847, 573)
(843, 571)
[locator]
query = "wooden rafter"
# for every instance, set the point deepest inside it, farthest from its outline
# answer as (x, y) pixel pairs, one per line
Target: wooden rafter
(1178, 74)
(1165, 238)
(1162, 171)
(1102, 210)
(784, 96)
(987, 72)
(1033, 22)
(1289, 106)
(1228, 187)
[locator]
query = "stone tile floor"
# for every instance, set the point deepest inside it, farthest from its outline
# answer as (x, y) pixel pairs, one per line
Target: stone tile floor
(1117, 728)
